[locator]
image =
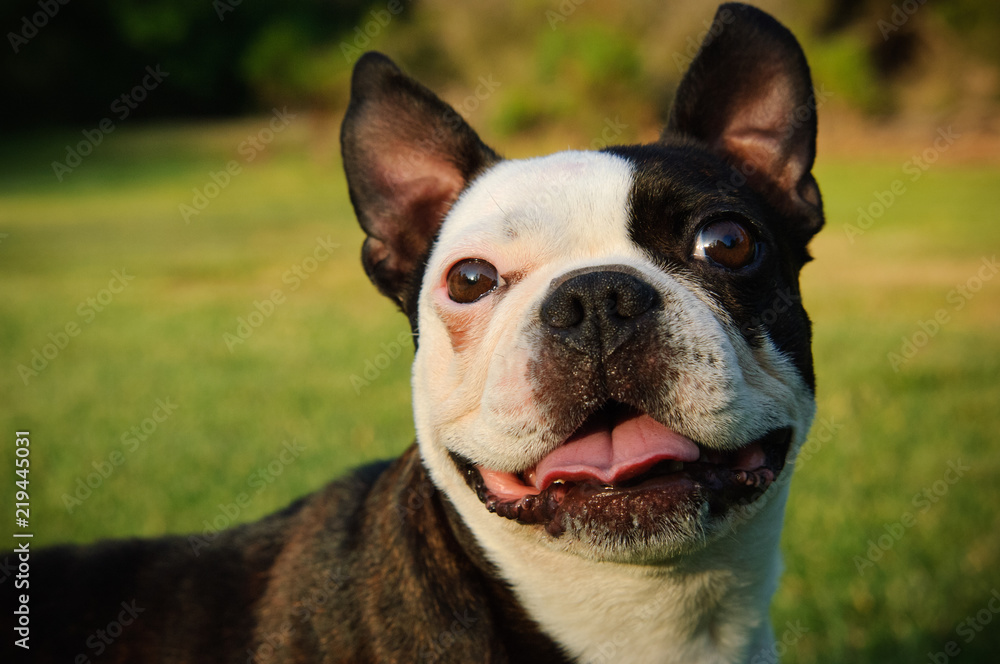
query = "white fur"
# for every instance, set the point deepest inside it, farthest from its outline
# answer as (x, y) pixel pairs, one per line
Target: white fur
(539, 219)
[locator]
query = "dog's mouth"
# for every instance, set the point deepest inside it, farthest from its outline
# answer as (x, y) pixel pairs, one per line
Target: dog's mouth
(623, 466)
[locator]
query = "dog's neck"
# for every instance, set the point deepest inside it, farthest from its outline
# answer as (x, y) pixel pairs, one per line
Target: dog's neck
(711, 607)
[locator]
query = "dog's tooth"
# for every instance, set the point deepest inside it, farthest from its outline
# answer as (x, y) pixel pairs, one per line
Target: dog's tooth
(559, 481)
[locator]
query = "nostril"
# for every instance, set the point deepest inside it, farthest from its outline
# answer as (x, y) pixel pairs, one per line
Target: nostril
(564, 312)
(604, 298)
(596, 311)
(632, 299)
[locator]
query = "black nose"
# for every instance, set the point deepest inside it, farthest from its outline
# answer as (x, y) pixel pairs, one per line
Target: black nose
(599, 310)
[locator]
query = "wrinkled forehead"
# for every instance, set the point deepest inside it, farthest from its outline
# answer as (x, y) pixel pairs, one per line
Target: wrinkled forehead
(568, 202)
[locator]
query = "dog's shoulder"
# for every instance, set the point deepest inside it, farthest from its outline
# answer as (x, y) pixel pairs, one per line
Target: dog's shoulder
(315, 579)
(403, 551)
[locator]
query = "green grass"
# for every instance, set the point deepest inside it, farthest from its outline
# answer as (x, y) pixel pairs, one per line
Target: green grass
(888, 434)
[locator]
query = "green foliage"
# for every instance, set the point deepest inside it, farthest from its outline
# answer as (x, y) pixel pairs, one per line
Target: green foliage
(575, 68)
(977, 21)
(155, 24)
(223, 57)
(522, 110)
(276, 64)
(841, 64)
(596, 55)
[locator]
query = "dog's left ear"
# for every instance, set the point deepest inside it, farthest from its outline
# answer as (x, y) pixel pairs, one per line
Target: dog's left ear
(748, 95)
(407, 155)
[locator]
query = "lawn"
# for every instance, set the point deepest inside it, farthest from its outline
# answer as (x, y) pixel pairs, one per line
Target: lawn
(179, 374)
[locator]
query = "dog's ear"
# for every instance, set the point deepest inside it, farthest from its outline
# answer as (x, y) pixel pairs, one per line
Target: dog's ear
(748, 95)
(407, 156)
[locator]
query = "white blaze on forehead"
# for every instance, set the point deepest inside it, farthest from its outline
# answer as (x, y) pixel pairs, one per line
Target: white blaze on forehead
(533, 220)
(566, 205)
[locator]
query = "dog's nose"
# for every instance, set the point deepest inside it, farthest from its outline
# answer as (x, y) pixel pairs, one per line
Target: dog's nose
(599, 310)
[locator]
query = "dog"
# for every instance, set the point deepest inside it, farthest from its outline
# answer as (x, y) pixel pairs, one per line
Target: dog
(612, 376)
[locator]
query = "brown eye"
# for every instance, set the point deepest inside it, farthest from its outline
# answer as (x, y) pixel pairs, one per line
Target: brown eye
(726, 243)
(470, 279)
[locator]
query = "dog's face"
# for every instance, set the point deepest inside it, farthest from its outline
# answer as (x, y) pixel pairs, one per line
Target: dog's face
(612, 356)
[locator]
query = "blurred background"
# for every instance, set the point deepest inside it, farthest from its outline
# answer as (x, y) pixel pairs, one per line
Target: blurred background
(188, 335)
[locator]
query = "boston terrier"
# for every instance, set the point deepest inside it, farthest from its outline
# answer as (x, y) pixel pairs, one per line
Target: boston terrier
(612, 378)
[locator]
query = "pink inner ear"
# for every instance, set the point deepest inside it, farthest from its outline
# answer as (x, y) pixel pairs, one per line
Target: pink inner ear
(408, 174)
(414, 202)
(761, 135)
(375, 250)
(764, 151)
(407, 156)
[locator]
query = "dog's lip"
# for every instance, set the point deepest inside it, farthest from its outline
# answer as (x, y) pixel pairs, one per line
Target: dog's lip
(514, 486)
(612, 446)
(722, 478)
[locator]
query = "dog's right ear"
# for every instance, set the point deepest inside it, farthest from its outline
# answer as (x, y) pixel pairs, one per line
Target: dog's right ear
(407, 155)
(748, 94)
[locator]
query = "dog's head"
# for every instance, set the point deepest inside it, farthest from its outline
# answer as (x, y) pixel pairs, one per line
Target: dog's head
(612, 358)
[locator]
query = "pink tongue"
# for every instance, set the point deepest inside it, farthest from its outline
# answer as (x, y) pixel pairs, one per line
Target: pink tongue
(631, 448)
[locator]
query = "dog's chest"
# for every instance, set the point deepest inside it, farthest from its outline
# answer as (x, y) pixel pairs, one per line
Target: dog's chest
(605, 617)
(711, 608)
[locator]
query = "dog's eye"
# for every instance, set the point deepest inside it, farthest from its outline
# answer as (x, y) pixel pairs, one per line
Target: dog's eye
(726, 243)
(470, 279)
